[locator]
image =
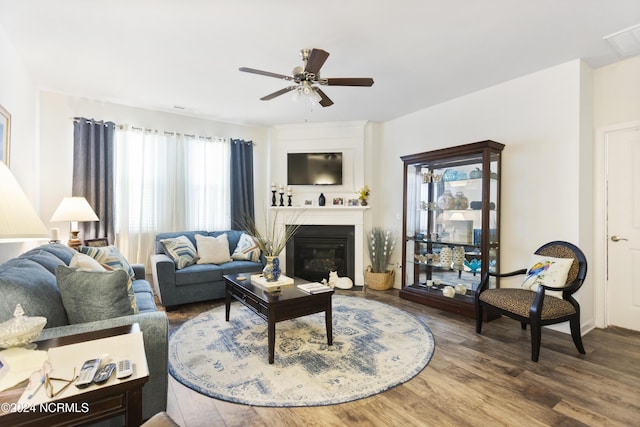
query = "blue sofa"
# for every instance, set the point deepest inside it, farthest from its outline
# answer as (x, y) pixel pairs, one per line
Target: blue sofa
(198, 282)
(30, 280)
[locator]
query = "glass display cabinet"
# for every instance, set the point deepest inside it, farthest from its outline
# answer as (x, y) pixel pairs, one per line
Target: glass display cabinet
(451, 224)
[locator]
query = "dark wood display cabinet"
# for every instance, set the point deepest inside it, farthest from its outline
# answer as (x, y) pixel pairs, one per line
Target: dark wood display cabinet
(451, 224)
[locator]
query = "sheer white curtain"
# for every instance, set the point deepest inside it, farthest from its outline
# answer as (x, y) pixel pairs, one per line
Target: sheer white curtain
(168, 182)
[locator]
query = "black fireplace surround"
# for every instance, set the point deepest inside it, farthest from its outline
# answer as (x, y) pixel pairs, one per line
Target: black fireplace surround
(315, 250)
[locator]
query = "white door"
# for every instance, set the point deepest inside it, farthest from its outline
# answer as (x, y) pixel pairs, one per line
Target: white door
(623, 228)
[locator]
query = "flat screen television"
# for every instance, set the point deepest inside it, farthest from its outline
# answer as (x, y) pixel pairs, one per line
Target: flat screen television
(314, 168)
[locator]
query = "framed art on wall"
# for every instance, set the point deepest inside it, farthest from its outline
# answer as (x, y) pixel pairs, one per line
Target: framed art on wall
(5, 134)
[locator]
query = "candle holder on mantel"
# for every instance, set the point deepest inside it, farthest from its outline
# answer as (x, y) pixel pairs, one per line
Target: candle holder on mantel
(289, 202)
(273, 198)
(281, 198)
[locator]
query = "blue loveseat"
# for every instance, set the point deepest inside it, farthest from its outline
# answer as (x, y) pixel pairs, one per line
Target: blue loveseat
(30, 280)
(197, 282)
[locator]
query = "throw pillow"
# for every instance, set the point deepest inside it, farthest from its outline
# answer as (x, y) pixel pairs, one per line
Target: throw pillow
(89, 296)
(109, 257)
(547, 270)
(213, 250)
(181, 250)
(85, 262)
(247, 249)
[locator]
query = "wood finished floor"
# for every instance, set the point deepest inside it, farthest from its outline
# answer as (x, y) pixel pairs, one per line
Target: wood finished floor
(472, 380)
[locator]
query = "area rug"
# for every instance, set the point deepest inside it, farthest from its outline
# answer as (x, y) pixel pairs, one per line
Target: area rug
(375, 347)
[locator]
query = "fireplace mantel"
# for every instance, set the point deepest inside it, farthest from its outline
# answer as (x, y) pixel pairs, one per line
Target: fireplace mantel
(327, 215)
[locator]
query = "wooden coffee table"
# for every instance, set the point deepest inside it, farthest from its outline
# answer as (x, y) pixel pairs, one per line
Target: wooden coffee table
(277, 304)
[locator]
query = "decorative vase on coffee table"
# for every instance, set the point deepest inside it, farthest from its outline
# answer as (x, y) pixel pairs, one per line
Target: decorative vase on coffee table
(271, 271)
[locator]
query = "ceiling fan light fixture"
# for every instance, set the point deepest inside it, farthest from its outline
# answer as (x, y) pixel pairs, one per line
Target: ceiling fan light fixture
(315, 96)
(306, 88)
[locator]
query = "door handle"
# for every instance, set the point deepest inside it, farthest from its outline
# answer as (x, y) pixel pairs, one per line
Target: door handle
(615, 238)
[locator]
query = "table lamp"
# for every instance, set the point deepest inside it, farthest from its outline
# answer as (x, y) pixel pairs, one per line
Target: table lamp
(75, 210)
(18, 218)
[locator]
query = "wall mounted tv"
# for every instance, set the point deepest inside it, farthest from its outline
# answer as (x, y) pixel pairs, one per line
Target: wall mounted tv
(314, 168)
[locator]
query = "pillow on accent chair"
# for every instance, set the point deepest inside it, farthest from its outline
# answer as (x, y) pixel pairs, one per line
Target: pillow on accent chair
(89, 296)
(547, 270)
(247, 249)
(109, 257)
(213, 250)
(181, 250)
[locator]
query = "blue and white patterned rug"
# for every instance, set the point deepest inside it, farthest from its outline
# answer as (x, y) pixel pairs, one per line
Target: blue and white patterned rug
(375, 347)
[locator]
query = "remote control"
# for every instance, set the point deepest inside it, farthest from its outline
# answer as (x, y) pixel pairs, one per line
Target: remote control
(125, 369)
(87, 372)
(103, 375)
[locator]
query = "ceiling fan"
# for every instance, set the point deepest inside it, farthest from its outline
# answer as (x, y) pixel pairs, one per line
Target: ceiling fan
(308, 75)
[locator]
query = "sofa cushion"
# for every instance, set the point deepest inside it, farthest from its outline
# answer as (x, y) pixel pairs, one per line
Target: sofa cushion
(46, 259)
(144, 296)
(181, 250)
(247, 249)
(109, 257)
(58, 250)
(213, 250)
(94, 295)
(199, 273)
(26, 282)
(237, 267)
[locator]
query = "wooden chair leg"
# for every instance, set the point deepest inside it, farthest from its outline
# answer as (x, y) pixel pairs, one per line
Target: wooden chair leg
(535, 341)
(479, 315)
(524, 325)
(575, 334)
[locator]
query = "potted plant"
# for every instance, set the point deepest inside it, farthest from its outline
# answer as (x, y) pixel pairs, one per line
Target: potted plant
(363, 195)
(380, 243)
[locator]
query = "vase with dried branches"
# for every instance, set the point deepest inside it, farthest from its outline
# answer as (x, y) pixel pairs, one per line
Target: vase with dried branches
(271, 239)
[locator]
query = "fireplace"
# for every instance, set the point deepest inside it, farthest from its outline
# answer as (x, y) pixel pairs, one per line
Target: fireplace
(315, 250)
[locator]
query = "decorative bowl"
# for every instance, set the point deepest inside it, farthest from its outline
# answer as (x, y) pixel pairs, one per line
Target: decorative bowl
(20, 330)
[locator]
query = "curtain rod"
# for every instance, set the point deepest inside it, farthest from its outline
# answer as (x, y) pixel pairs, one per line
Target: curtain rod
(127, 127)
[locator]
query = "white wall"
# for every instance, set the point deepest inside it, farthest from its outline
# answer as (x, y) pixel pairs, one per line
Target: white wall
(18, 95)
(617, 93)
(56, 130)
(616, 105)
(541, 118)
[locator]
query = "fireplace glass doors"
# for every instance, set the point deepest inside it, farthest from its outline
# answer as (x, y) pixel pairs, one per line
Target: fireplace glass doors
(315, 250)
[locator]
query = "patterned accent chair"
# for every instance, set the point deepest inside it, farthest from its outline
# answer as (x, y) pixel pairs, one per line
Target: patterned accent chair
(536, 308)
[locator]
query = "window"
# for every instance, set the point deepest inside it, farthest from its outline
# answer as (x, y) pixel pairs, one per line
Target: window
(168, 182)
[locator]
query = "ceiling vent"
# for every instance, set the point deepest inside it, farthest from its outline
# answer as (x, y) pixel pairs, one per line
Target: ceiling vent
(626, 42)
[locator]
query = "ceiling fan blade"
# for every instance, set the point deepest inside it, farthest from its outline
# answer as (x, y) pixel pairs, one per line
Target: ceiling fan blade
(277, 93)
(324, 101)
(265, 73)
(316, 60)
(348, 81)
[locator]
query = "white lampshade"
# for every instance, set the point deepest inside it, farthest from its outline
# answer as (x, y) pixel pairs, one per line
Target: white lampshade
(18, 219)
(75, 209)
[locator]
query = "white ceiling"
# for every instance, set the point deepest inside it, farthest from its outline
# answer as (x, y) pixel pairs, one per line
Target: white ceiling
(159, 54)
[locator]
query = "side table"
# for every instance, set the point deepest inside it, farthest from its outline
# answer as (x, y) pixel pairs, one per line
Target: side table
(95, 403)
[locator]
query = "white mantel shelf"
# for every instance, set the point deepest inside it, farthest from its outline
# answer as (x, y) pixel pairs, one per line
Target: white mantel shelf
(319, 208)
(328, 215)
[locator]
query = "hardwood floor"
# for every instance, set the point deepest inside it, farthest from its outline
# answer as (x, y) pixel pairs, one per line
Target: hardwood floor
(472, 380)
